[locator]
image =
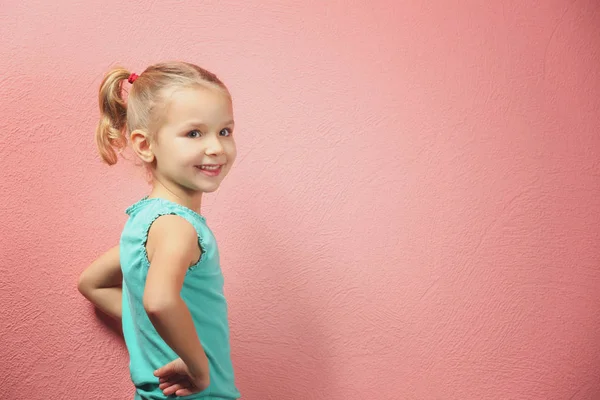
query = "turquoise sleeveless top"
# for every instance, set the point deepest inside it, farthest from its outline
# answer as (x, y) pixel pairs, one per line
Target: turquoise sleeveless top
(202, 292)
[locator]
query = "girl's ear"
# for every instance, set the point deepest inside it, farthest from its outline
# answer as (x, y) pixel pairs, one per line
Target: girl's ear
(140, 141)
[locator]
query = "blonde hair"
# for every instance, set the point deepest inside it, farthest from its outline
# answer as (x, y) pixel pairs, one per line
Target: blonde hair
(141, 109)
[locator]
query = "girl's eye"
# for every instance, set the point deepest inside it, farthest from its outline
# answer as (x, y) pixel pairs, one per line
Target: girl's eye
(227, 132)
(193, 134)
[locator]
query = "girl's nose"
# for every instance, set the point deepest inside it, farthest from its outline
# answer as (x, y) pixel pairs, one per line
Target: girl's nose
(214, 146)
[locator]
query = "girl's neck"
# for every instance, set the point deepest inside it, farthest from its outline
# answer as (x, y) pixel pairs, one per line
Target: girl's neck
(192, 201)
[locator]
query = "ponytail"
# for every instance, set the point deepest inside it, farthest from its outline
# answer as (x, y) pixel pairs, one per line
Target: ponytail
(110, 134)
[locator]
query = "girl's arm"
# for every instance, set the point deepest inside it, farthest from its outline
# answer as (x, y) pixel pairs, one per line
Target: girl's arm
(172, 248)
(101, 283)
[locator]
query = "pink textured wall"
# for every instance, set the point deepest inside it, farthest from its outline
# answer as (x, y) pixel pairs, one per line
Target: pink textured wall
(413, 213)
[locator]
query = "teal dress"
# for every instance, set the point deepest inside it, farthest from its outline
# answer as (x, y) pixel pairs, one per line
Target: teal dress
(202, 292)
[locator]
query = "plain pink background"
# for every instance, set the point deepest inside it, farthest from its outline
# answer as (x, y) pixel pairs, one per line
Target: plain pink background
(413, 213)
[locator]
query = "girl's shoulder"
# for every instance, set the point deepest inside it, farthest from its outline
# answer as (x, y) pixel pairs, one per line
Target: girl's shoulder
(156, 205)
(144, 215)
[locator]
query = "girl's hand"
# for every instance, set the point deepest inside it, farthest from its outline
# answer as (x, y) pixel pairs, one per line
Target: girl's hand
(176, 378)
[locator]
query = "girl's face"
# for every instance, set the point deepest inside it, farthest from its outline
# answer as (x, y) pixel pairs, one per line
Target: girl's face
(195, 149)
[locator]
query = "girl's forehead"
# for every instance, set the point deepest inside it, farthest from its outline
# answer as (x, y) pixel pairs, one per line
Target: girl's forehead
(198, 103)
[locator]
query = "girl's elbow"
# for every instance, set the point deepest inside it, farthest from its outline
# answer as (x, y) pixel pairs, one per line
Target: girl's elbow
(155, 303)
(83, 285)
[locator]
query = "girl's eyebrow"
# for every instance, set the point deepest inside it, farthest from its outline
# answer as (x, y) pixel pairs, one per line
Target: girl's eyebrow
(201, 124)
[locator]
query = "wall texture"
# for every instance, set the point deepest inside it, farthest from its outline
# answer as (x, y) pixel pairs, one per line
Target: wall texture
(413, 213)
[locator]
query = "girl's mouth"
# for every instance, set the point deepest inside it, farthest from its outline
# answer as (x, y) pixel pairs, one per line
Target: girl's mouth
(210, 169)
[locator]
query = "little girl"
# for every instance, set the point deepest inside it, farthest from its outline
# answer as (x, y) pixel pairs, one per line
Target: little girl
(164, 279)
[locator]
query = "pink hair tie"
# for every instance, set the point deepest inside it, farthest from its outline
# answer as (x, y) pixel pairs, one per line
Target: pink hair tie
(132, 77)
